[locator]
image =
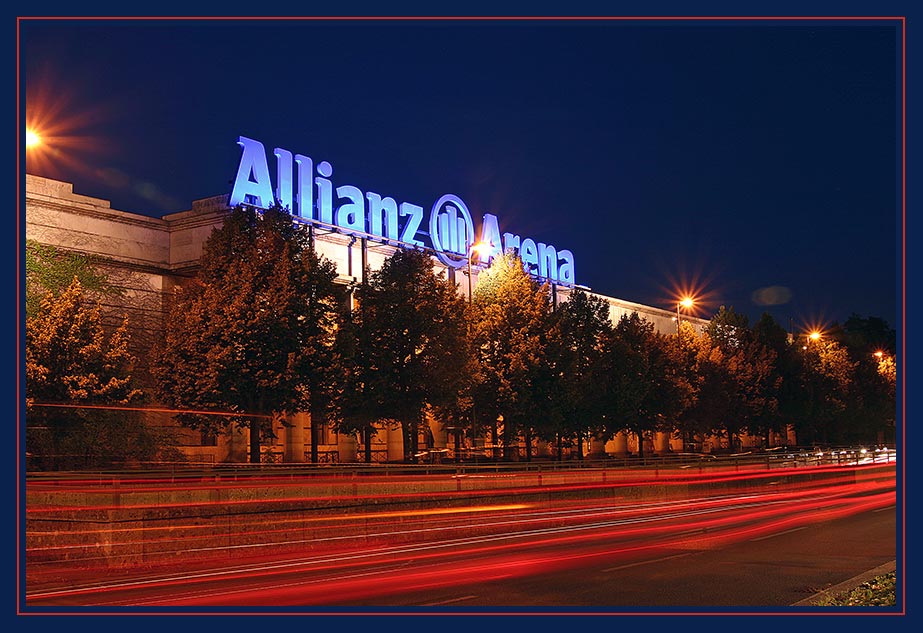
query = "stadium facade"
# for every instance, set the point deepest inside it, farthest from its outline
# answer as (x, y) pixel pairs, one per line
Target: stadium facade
(148, 257)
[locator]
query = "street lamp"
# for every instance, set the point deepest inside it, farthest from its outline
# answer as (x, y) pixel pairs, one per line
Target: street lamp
(32, 138)
(685, 302)
(474, 248)
(471, 251)
(812, 336)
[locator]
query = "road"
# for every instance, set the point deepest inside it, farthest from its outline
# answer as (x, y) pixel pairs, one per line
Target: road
(770, 544)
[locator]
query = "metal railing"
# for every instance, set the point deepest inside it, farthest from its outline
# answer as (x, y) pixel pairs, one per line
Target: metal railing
(328, 464)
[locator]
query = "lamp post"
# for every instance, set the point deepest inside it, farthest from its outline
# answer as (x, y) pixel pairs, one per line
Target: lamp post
(471, 251)
(474, 248)
(685, 302)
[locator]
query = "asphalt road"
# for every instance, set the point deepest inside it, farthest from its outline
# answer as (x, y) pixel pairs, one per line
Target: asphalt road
(669, 569)
(770, 571)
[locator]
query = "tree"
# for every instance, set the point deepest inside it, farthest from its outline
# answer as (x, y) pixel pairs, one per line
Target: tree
(739, 379)
(826, 375)
(872, 409)
(785, 385)
(865, 336)
(74, 368)
(511, 325)
(580, 328)
(407, 347)
(690, 351)
(253, 334)
(728, 329)
(49, 271)
(646, 392)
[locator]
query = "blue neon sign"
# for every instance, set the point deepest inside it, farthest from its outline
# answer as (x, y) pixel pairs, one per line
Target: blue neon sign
(308, 192)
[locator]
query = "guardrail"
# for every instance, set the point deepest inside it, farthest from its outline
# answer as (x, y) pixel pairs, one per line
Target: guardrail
(776, 458)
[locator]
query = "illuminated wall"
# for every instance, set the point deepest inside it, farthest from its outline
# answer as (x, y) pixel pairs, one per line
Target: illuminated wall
(148, 257)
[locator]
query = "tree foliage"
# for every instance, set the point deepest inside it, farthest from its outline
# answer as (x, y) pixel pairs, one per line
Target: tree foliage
(646, 392)
(826, 374)
(739, 382)
(74, 368)
(253, 334)
(406, 342)
(781, 386)
(49, 271)
(580, 330)
(511, 324)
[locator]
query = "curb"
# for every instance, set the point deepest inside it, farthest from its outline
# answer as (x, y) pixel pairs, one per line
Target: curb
(847, 585)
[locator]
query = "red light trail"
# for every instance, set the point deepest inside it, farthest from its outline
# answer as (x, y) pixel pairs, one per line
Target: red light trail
(329, 540)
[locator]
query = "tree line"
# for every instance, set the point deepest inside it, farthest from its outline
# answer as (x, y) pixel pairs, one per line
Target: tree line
(264, 331)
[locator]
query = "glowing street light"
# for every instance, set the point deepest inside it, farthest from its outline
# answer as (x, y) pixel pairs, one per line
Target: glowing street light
(32, 138)
(685, 302)
(813, 336)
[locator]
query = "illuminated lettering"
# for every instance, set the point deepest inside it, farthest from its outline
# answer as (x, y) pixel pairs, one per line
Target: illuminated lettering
(566, 270)
(252, 176)
(324, 193)
(305, 196)
(412, 225)
(283, 177)
(451, 230)
(351, 215)
(547, 262)
(382, 216)
(307, 191)
(490, 238)
(529, 255)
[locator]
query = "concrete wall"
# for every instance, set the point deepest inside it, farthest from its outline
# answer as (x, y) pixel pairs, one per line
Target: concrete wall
(148, 257)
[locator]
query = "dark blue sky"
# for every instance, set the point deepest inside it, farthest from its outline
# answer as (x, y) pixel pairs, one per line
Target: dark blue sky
(728, 157)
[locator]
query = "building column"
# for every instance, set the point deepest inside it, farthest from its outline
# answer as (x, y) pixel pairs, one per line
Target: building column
(347, 445)
(596, 446)
(437, 428)
(395, 438)
(236, 444)
(661, 443)
(618, 445)
(294, 437)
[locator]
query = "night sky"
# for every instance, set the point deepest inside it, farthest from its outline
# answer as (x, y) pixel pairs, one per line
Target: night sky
(753, 163)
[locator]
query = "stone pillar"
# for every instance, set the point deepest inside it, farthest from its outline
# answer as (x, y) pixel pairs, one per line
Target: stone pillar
(346, 448)
(776, 439)
(676, 444)
(597, 447)
(661, 443)
(295, 436)
(236, 444)
(395, 439)
(440, 434)
(618, 445)
(746, 441)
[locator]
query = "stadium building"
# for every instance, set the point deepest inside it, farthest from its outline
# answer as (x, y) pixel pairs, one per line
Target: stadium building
(146, 258)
